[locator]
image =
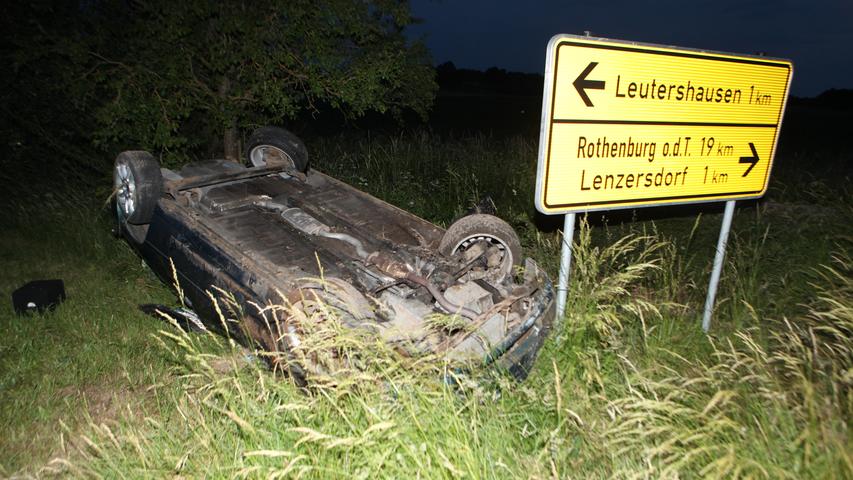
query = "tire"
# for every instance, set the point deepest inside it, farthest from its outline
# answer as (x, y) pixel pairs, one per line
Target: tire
(471, 229)
(274, 146)
(138, 183)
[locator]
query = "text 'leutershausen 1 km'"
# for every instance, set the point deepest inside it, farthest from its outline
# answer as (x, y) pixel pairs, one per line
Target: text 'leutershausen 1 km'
(689, 92)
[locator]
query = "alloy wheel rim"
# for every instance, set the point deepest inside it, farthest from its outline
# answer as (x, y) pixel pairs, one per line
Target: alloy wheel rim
(125, 190)
(258, 156)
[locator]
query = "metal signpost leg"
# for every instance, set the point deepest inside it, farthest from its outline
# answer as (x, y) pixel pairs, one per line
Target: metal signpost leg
(718, 264)
(565, 263)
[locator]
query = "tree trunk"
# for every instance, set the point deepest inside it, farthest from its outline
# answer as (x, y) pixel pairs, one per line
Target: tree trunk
(230, 142)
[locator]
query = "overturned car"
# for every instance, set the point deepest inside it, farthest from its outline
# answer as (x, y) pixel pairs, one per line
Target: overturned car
(278, 232)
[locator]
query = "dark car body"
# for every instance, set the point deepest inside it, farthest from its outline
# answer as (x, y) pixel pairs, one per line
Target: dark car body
(267, 235)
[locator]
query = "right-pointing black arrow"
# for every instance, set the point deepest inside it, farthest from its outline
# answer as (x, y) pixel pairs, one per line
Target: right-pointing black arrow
(752, 161)
(582, 84)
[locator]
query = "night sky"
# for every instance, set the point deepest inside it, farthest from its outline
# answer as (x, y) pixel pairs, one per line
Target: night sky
(816, 34)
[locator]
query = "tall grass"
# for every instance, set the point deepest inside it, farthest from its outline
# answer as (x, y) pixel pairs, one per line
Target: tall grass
(434, 177)
(607, 285)
(602, 404)
(629, 387)
(774, 408)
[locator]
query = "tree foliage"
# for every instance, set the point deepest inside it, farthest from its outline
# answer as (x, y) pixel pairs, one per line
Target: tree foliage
(170, 76)
(44, 106)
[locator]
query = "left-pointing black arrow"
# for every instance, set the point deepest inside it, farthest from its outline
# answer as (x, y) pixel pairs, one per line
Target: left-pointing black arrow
(582, 84)
(752, 161)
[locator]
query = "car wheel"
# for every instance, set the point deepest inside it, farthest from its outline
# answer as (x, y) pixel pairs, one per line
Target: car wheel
(137, 183)
(493, 238)
(274, 146)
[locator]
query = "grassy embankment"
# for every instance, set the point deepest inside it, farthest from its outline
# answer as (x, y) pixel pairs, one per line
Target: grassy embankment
(628, 387)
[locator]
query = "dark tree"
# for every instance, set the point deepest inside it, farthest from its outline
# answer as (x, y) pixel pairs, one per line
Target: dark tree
(169, 75)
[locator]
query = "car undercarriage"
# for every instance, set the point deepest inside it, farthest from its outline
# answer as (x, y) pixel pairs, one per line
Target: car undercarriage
(280, 233)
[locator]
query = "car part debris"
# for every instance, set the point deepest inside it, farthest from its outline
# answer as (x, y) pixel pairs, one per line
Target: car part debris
(187, 319)
(38, 296)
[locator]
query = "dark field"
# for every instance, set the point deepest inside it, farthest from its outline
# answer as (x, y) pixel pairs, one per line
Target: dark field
(628, 387)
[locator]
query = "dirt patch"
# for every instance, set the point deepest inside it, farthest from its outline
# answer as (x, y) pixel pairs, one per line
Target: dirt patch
(103, 402)
(108, 403)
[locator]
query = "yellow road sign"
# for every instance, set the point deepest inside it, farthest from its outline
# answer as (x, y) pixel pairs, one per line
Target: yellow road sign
(631, 125)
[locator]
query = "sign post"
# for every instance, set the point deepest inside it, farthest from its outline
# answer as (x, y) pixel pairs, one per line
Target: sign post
(565, 263)
(628, 125)
(718, 264)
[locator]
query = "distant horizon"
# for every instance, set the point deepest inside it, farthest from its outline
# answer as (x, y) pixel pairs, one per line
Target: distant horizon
(542, 75)
(512, 36)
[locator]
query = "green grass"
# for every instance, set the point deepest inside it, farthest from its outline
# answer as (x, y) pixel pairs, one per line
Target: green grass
(628, 387)
(93, 356)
